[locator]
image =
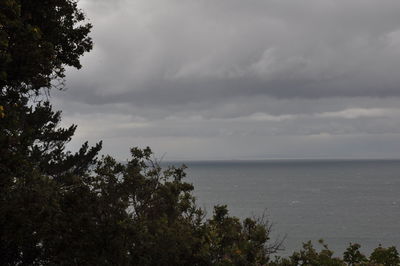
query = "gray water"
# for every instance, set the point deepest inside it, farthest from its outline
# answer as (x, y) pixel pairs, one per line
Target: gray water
(338, 201)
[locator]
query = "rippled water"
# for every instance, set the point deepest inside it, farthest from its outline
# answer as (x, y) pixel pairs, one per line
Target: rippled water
(339, 201)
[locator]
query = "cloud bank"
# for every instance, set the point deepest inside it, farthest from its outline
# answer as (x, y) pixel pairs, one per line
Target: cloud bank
(217, 78)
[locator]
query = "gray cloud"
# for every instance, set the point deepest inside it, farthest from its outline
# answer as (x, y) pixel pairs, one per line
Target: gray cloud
(178, 51)
(211, 73)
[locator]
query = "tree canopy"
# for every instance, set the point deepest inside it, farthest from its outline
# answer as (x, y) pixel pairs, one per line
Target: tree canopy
(38, 39)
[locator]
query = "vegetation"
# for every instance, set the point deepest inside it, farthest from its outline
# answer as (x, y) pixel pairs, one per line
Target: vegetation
(351, 257)
(38, 39)
(63, 208)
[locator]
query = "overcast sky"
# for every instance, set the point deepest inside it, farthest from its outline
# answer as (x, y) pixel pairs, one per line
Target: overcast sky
(234, 79)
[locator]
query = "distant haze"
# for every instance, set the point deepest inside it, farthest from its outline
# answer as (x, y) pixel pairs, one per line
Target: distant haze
(234, 79)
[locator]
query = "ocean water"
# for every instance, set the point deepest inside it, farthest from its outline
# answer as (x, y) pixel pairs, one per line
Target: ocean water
(338, 201)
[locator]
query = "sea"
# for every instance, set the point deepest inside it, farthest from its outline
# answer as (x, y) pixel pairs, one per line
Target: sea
(339, 201)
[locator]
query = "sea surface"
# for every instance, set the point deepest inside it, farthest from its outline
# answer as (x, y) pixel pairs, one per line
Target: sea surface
(340, 201)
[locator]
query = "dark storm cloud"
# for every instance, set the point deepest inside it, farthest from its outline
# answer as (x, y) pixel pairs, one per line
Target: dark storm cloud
(172, 52)
(234, 78)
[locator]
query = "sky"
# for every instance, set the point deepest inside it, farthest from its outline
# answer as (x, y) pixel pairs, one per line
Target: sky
(234, 79)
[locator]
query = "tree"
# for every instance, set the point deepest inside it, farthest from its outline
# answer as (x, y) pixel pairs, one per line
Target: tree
(385, 256)
(309, 256)
(352, 256)
(38, 39)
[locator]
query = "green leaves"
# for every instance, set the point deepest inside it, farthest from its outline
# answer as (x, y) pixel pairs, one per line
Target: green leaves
(38, 39)
(352, 256)
(309, 256)
(385, 256)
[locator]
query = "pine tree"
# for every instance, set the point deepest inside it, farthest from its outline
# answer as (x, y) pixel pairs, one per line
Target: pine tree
(37, 40)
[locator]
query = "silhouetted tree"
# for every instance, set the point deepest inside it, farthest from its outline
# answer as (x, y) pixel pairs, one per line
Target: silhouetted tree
(38, 39)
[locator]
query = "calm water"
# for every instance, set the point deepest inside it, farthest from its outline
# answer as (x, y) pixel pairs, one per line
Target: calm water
(339, 201)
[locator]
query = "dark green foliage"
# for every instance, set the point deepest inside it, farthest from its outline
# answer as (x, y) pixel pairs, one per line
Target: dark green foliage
(35, 176)
(133, 214)
(238, 243)
(37, 39)
(352, 256)
(309, 256)
(385, 256)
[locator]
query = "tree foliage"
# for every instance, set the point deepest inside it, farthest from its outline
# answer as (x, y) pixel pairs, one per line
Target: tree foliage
(309, 256)
(38, 39)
